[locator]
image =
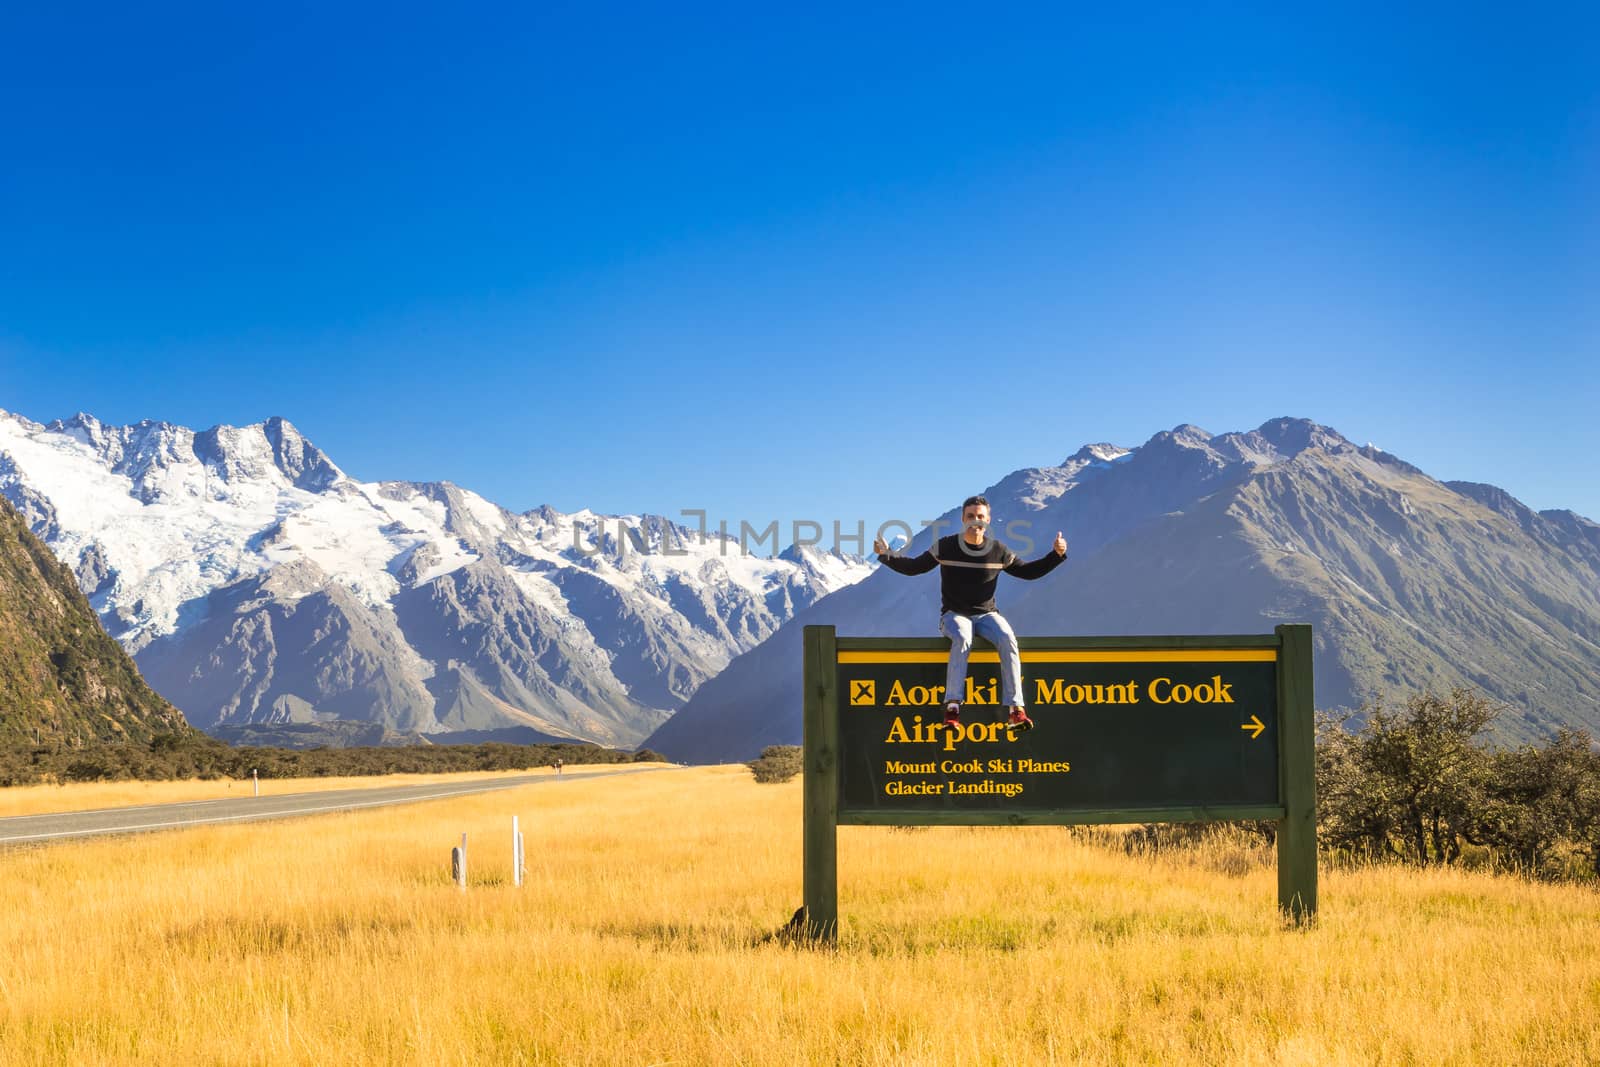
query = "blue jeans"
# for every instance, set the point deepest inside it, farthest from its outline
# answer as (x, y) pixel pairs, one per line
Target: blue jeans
(993, 627)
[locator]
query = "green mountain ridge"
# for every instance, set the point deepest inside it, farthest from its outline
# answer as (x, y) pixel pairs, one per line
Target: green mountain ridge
(63, 679)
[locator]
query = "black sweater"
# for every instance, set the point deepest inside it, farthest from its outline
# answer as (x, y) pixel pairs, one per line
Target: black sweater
(968, 575)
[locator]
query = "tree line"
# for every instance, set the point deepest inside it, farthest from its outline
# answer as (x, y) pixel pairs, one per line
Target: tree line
(170, 756)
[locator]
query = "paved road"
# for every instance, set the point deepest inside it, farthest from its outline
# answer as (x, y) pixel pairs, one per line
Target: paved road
(28, 829)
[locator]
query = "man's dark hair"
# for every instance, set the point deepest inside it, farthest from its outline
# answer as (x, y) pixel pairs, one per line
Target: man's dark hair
(971, 500)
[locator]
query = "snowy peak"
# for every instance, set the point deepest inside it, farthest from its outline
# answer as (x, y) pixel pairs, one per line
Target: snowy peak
(829, 566)
(462, 513)
(270, 451)
(84, 427)
(162, 460)
(151, 455)
(303, 463)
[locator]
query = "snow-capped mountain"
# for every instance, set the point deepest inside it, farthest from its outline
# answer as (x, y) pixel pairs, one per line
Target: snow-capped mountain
(254, 581)
(1408, 582)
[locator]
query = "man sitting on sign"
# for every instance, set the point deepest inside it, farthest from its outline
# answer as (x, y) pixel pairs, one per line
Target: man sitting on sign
(970, 564)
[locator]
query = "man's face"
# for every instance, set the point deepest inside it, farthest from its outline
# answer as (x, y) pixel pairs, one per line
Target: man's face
(975, 516)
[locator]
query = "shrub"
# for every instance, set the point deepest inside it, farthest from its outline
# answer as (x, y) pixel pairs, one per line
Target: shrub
(1418, 784)
(1412, 782)
(778, 763)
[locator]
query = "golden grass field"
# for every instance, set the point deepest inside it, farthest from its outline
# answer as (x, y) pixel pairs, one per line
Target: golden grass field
(638, 939)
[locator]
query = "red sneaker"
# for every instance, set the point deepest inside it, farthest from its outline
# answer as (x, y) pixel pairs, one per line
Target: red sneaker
(952, 713)
(1018, 719)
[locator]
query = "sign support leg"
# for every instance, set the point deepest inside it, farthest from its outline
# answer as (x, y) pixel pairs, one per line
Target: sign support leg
(1297, 832)
(821, 785)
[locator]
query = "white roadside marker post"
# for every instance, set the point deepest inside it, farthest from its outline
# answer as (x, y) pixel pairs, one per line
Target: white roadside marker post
(516, 854)
(255, 780)
(458, 864)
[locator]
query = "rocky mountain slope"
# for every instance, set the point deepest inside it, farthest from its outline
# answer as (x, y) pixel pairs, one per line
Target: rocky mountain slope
(62, 679)
(1408, 582)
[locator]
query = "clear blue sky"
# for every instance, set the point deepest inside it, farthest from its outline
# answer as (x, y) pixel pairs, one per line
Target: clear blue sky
(786, 263)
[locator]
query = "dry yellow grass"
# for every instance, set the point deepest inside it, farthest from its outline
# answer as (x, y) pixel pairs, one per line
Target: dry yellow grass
(85, 796)
(637, 940)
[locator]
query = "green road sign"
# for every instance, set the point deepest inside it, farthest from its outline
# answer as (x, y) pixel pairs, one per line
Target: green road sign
(1151, 729)
(1116, 729)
